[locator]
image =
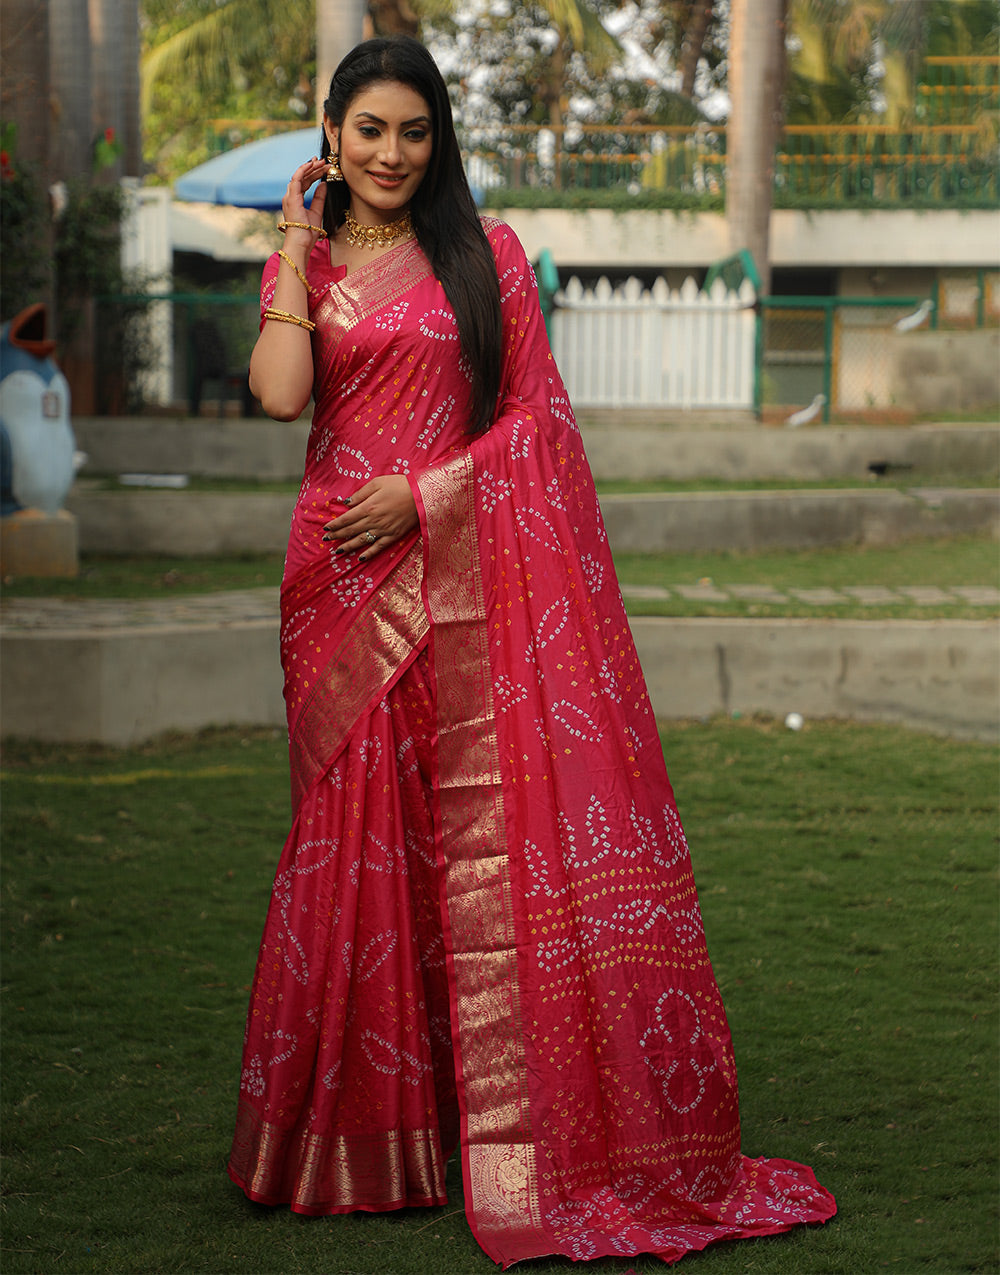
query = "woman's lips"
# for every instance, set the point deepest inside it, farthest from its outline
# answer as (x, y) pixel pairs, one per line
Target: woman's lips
(389, 180)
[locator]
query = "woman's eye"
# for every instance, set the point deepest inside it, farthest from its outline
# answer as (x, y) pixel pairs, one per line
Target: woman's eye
(416, 135)
(368, 130)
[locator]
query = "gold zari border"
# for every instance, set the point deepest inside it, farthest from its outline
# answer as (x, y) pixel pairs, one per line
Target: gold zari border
(501, 1159)
(316, 1173)
(388, 627)
(370, 289)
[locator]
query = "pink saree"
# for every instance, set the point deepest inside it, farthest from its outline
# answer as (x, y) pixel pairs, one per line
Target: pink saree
(484, 930)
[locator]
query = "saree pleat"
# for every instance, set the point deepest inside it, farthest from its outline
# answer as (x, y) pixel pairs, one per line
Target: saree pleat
(484, 928)
(347, 1060)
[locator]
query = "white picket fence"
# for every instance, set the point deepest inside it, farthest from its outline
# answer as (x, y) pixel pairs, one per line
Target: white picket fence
(633, 347)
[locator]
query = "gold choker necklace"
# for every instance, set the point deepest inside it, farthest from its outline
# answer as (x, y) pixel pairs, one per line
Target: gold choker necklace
(360, 236)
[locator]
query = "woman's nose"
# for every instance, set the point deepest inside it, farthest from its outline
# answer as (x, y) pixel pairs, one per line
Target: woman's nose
(390, 150)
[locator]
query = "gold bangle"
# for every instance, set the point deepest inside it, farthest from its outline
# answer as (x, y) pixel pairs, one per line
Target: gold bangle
(302, 225)
(302, 279)
(286, 316)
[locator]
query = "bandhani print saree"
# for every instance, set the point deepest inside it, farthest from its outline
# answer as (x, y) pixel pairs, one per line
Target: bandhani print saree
(484, 931)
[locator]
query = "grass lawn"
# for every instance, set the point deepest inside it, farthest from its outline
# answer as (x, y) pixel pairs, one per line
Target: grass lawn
(963, 560)
(956, 561)
(847, 883)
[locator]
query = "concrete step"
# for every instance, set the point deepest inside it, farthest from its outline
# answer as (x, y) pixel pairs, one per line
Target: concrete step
(217, 523)
(120, 672)
(691, 522)
(273, 452)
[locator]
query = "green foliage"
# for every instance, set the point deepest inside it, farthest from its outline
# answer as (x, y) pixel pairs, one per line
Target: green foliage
(85, 265)
(847, 882)
(24, 213)
(87, 250)
(240, 60)
(960, 561)
(854, 62)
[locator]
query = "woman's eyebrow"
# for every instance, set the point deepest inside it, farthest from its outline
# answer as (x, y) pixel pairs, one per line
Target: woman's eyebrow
(367, 115)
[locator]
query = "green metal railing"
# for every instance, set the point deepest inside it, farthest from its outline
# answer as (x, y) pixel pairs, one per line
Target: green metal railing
(957, 90)
(946, 156)
(871, 165)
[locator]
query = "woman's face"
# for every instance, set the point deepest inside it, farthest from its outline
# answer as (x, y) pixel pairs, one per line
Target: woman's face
(385, 145)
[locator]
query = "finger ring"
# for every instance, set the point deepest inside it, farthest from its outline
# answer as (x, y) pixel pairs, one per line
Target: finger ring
(371, 536)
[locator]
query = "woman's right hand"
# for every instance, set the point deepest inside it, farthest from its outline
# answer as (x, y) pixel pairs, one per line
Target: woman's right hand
(293, 205)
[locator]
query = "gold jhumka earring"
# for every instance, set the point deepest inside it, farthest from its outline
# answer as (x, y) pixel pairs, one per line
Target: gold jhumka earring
(333, 173)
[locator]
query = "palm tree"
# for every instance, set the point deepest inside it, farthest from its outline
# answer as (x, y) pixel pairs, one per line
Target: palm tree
(756, 82)
(114, 55)
(392, 17)
(840, 44)
(690, 22)
(339, 27)
(204, 50)
(25, 94)
(71, 141)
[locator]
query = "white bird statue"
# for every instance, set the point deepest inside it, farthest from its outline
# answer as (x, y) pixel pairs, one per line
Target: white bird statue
(806, 414)
(910, 321)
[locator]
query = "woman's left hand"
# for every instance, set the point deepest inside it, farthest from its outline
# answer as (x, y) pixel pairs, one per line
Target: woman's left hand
(383, 508)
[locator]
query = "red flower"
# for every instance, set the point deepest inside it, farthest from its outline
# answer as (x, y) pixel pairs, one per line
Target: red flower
(109, 136)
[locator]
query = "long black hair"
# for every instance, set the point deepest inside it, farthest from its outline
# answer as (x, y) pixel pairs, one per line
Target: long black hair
(444, 213)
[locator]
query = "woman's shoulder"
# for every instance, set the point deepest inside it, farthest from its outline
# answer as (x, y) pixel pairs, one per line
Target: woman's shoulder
(502, 239)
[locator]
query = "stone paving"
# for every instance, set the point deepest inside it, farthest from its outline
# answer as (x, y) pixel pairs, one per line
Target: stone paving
(863, 594)
(240, 606)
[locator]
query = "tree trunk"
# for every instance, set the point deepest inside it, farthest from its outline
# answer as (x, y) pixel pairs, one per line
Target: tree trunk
(72, 146)
(552, 89)
(114, 54)
(756, 82)
(393, 17)
(693, 43)
(339, 27)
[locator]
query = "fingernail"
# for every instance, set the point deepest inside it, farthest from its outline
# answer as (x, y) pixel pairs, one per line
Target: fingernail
(339, 552)
(328, 537)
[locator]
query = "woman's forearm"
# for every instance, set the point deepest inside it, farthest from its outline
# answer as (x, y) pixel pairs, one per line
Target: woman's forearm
(281, 366)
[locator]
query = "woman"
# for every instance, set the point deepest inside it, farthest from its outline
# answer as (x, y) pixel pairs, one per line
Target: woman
(484, 929)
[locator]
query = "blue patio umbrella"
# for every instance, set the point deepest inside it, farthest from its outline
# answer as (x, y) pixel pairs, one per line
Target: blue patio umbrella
(254, 175)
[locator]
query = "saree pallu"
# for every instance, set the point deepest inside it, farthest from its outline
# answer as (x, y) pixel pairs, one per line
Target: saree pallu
(536, 850)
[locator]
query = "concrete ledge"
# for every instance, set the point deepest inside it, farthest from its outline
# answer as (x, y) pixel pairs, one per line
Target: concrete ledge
(275, 452)
(932, 675)
(690, 522)
(121, 685)
(265, 450)
(190, 524)
(207, 524)
(34, 543)
(813, 454)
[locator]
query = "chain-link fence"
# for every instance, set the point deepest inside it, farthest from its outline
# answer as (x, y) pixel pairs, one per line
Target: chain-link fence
(847, 359)
(828, 356)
